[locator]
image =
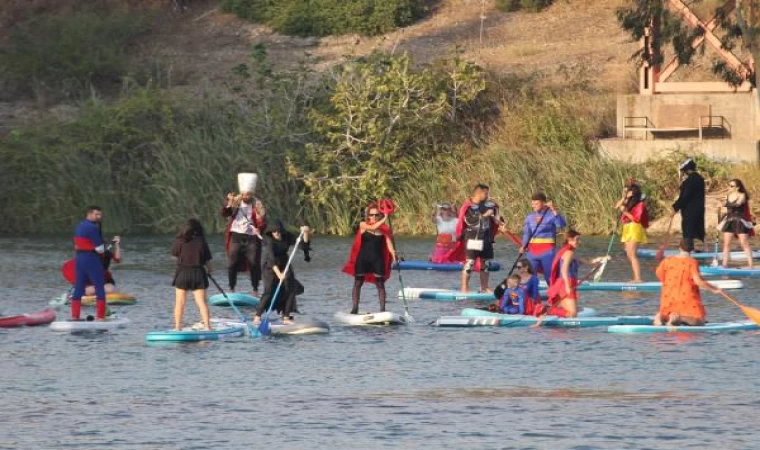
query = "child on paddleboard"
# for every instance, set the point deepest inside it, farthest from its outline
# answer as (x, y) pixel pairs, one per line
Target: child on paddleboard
(513, 299)
(193, 265)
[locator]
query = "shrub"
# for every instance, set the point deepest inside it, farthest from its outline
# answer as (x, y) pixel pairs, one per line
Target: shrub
(69, 54)
(516, 5)
(327, 17)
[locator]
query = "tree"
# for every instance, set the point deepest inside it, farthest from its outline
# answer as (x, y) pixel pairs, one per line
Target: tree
(740, 24)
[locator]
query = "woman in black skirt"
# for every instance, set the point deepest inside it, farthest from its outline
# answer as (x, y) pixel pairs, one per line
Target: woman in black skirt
(276, 244)
(193, 261)
(737, 221)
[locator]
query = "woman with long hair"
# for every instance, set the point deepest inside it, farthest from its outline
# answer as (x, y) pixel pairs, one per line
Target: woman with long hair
(737, 221)
(193, 265)
(635, 220)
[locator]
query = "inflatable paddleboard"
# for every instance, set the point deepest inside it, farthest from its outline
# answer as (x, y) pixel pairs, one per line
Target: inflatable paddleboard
(111, 323)
(114, 298)
(237, 299)
(474, 312)
(508, 320)
(717, 271)
(709, 328)
(43, 317)
(380, 318)
(299, 328)
(649, 253)
(220, 331)
(443, 267)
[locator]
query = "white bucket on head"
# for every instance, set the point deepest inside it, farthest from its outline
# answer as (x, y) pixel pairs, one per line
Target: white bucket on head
(247, 182)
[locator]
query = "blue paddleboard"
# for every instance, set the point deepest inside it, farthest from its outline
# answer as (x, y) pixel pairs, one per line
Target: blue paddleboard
(710, 327)
(237, 298)
(448, 267)
(508, 320)
(717, 271)
(220, 331)
(649, 253)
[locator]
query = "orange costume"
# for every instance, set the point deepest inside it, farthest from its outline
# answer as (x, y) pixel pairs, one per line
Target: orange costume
(680, 295)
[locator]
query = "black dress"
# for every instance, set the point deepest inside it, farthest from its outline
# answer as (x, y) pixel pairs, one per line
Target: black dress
(276, 254)
(735, 222)
(192, 255)
(691, 203)
(370, 260)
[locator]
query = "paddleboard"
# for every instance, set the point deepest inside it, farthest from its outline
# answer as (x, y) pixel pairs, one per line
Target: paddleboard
(443, 267)
(710, 327)
(220, 331)
(649, 253)
(717, 271)
(111, 323)
(114, 298)
(508, 320)
(299, 328)
(238, 299)
(474, 312)
(43, 317)
(380, 318)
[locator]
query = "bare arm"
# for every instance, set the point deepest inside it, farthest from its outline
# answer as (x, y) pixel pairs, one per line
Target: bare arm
(364, 226)
(391, 249)
(699, 281)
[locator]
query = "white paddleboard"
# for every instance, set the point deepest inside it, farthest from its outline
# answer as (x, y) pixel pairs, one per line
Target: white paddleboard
(380, 318)
(299, 328)
(111, 323)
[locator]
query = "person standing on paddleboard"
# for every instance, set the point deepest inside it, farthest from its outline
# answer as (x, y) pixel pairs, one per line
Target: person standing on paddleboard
(89, 246)
(680, 299)
(540, 233)
(69, 270)
(635, 220)
(691, 204)
(193, 266)
(562, 295)
(737, 221)
(372, 255)
(276, 244)
(243, 238)
(446, 225)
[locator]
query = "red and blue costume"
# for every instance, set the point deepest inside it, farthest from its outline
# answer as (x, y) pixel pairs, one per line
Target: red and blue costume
(540, 248)
(459, 253)
(513, 301)
(557, 290)
(88, 243)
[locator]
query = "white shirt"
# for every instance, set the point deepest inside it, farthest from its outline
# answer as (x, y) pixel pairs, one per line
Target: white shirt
(243, 222)
(446, 226)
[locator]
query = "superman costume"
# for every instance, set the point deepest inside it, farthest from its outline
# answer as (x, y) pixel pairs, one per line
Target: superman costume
(89, 246)
(540, 248)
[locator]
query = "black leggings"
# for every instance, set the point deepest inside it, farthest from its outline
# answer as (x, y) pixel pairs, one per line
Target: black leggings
(286, 298)
(355, 294)
(244, 248)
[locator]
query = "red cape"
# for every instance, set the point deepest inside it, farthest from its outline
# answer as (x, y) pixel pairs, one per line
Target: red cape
(350, 267)
(458, 253)
(556, 285)
(640, 214)
(69, 271)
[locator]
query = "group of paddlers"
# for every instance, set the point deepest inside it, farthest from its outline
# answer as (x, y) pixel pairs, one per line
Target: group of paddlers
(261, 248)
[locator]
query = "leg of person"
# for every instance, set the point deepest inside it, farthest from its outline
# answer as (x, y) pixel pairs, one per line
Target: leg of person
(356, 294)
(658, 320)
(79, 288)
(484, 277)
(270, 284)
(747, 250)
(570, 305)
(631, 248)
(97, 276)
(200, 301)
(380, 285)
(89, 290)
(466, 271)
(180, 295)
(689, 242)
(677, 320)
(233, 261)
(253, 258)
(485, 257)
(288, 301)
(110, 288)
(726, 247)
(543, 263)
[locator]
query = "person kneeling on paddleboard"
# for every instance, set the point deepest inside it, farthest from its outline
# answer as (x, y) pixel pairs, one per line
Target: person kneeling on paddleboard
(562, 294)
(193, 266)
(372, 255)
(69, 268)
(276, 244)
(528, 283)
(680, 299)
(513, 299)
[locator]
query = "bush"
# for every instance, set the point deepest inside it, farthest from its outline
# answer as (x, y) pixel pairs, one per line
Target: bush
(327, 17)
(517, 5)
(69, 54)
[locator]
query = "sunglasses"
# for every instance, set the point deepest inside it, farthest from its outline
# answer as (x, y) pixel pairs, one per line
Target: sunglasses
(520, 267)
(375, 215)
(732, 185)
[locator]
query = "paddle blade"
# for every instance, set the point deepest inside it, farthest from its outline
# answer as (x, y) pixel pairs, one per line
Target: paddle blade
(660, 254)
(751, 313)
(264, 327)
(598, 274)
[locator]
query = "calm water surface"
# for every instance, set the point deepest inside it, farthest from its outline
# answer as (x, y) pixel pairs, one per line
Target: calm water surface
(407, 387)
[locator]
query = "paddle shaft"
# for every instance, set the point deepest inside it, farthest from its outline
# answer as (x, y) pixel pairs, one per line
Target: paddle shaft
(664, 240)
(279, 285)
(251, 330)
(398, 268)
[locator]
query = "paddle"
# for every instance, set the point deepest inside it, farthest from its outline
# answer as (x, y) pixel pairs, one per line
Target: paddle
(751, 313)
(661, 250)
(598, 275)
(264, 327)
(252, 332)
(388, 207)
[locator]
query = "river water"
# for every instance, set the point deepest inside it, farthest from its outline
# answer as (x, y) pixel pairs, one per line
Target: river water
(407, 387)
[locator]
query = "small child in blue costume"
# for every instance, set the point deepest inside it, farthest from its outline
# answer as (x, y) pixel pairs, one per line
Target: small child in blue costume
(513, 300)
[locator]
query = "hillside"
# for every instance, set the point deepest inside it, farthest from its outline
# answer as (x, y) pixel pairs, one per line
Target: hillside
(200, 45)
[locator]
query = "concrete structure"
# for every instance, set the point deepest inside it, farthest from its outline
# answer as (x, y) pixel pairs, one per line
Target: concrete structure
(713, 118)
